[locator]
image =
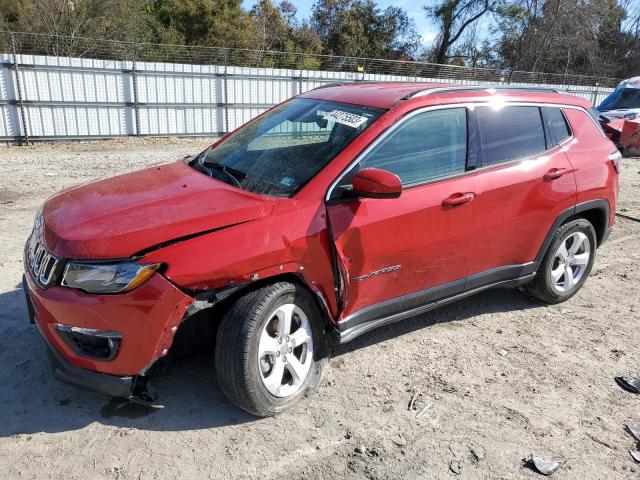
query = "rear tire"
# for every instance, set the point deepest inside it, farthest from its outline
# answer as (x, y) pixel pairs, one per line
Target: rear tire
(566, 264)
(270, 348)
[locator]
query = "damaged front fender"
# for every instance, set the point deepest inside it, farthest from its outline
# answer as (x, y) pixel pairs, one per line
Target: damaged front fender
(228, 260)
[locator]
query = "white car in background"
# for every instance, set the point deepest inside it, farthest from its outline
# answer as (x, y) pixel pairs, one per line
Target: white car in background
(619, 115)
(624, 101)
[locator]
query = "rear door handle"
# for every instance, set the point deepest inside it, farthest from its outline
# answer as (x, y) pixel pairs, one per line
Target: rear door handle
(458, 199)
(554, 174)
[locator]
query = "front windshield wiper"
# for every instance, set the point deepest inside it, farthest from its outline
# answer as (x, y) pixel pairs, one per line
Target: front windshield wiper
(229, 172)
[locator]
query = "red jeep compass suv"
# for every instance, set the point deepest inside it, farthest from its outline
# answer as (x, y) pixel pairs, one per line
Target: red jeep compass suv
(338, 211)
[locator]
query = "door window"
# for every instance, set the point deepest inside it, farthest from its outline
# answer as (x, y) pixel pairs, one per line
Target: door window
(427, 146)
(510, 133)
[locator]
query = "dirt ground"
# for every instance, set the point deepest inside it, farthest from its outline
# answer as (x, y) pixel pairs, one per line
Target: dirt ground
(497, 377)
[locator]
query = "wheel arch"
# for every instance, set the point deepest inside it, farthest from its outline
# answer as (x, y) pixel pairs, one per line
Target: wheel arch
(240, 290)
(594, 211)
(596, 214)
(201, 327)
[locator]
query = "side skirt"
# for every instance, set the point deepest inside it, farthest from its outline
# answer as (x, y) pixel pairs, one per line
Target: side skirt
(350, 328)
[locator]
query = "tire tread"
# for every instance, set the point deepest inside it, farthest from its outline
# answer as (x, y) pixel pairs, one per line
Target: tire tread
(233, 346)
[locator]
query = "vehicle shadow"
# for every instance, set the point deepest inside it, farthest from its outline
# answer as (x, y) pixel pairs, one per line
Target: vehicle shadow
(34, 401)
(488, 302)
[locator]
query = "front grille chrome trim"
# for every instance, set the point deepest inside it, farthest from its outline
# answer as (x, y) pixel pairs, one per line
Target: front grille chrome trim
(42, 263)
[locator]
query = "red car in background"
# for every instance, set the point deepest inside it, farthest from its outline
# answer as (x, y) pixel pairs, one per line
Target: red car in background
(338, 211)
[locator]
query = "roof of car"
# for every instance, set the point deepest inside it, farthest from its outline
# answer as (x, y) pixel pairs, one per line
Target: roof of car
(633, 82)
(388, 94)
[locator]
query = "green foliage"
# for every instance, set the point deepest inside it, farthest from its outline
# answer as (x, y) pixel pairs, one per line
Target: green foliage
(593, 37)
(359, 28)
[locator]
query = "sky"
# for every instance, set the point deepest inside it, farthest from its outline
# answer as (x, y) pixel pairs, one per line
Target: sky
(412, 7)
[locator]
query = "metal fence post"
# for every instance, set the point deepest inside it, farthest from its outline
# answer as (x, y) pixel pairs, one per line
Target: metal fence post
(594, 95)
(136, 103)
(24, 138)
(226, 94)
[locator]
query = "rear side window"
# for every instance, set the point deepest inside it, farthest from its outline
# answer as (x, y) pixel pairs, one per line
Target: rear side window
(559, 124)
(428, 146)
(510, 133)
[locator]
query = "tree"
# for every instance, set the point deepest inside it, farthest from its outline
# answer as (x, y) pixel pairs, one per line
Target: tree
(273, 28)
(358, 28)
(453, 18)
(67, 22)
(567, 36)
(220, 23)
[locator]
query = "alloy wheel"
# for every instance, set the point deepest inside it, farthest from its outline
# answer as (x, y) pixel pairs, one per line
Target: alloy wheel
(285, 350)
(570, 262)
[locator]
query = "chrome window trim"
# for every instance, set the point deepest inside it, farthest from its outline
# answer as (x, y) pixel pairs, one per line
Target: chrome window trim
(468, 105)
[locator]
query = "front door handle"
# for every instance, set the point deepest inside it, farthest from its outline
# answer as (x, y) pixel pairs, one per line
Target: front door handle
(554, 174)
(458, 199)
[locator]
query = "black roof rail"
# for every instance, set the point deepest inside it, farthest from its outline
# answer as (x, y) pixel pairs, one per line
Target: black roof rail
(361, 82)
(332, 84)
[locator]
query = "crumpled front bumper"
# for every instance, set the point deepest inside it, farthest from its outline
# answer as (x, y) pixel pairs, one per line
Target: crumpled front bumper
(146, 317)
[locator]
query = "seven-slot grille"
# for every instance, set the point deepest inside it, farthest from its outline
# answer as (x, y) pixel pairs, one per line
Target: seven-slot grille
(42, 264)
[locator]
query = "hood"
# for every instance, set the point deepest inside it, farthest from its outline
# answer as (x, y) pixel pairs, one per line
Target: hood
(629, 113)
(120, 216)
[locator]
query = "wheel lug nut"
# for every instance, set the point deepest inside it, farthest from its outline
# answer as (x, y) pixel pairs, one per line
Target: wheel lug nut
(277, 354)
(279, 341)
(286, 338)
(284, 359)
(290, 350)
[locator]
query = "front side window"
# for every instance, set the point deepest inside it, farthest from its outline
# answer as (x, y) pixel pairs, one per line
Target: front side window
(510, 133)
(427, 146)
(281, 151)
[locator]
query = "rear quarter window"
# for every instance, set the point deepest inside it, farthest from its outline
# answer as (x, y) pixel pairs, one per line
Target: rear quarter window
(558, 124)
(510, 133)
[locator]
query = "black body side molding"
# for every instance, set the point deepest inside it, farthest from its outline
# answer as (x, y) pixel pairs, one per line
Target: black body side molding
(359, 323)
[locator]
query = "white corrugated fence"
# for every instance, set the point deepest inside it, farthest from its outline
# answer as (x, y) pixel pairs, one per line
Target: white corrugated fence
(55, 98)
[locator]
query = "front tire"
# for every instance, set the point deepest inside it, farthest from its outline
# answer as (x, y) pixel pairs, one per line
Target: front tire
(270, 348)
(566, 264)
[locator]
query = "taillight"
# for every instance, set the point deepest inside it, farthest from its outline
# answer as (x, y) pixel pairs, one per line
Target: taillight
(615, 158)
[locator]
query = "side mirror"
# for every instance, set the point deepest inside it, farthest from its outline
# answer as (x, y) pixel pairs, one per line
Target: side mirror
(376, 183)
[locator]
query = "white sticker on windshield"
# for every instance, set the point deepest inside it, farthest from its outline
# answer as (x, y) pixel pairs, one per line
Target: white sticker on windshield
(287, 181)
(345, 118)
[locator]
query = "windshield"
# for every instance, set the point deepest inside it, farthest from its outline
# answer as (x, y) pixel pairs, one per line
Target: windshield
(621, 99)
(281, 151)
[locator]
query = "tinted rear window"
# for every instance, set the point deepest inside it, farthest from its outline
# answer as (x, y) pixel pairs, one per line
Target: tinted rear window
(559, 124)
(510, 133)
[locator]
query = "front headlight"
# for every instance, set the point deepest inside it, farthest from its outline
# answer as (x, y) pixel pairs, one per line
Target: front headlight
(631, 116)
(107, 277)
